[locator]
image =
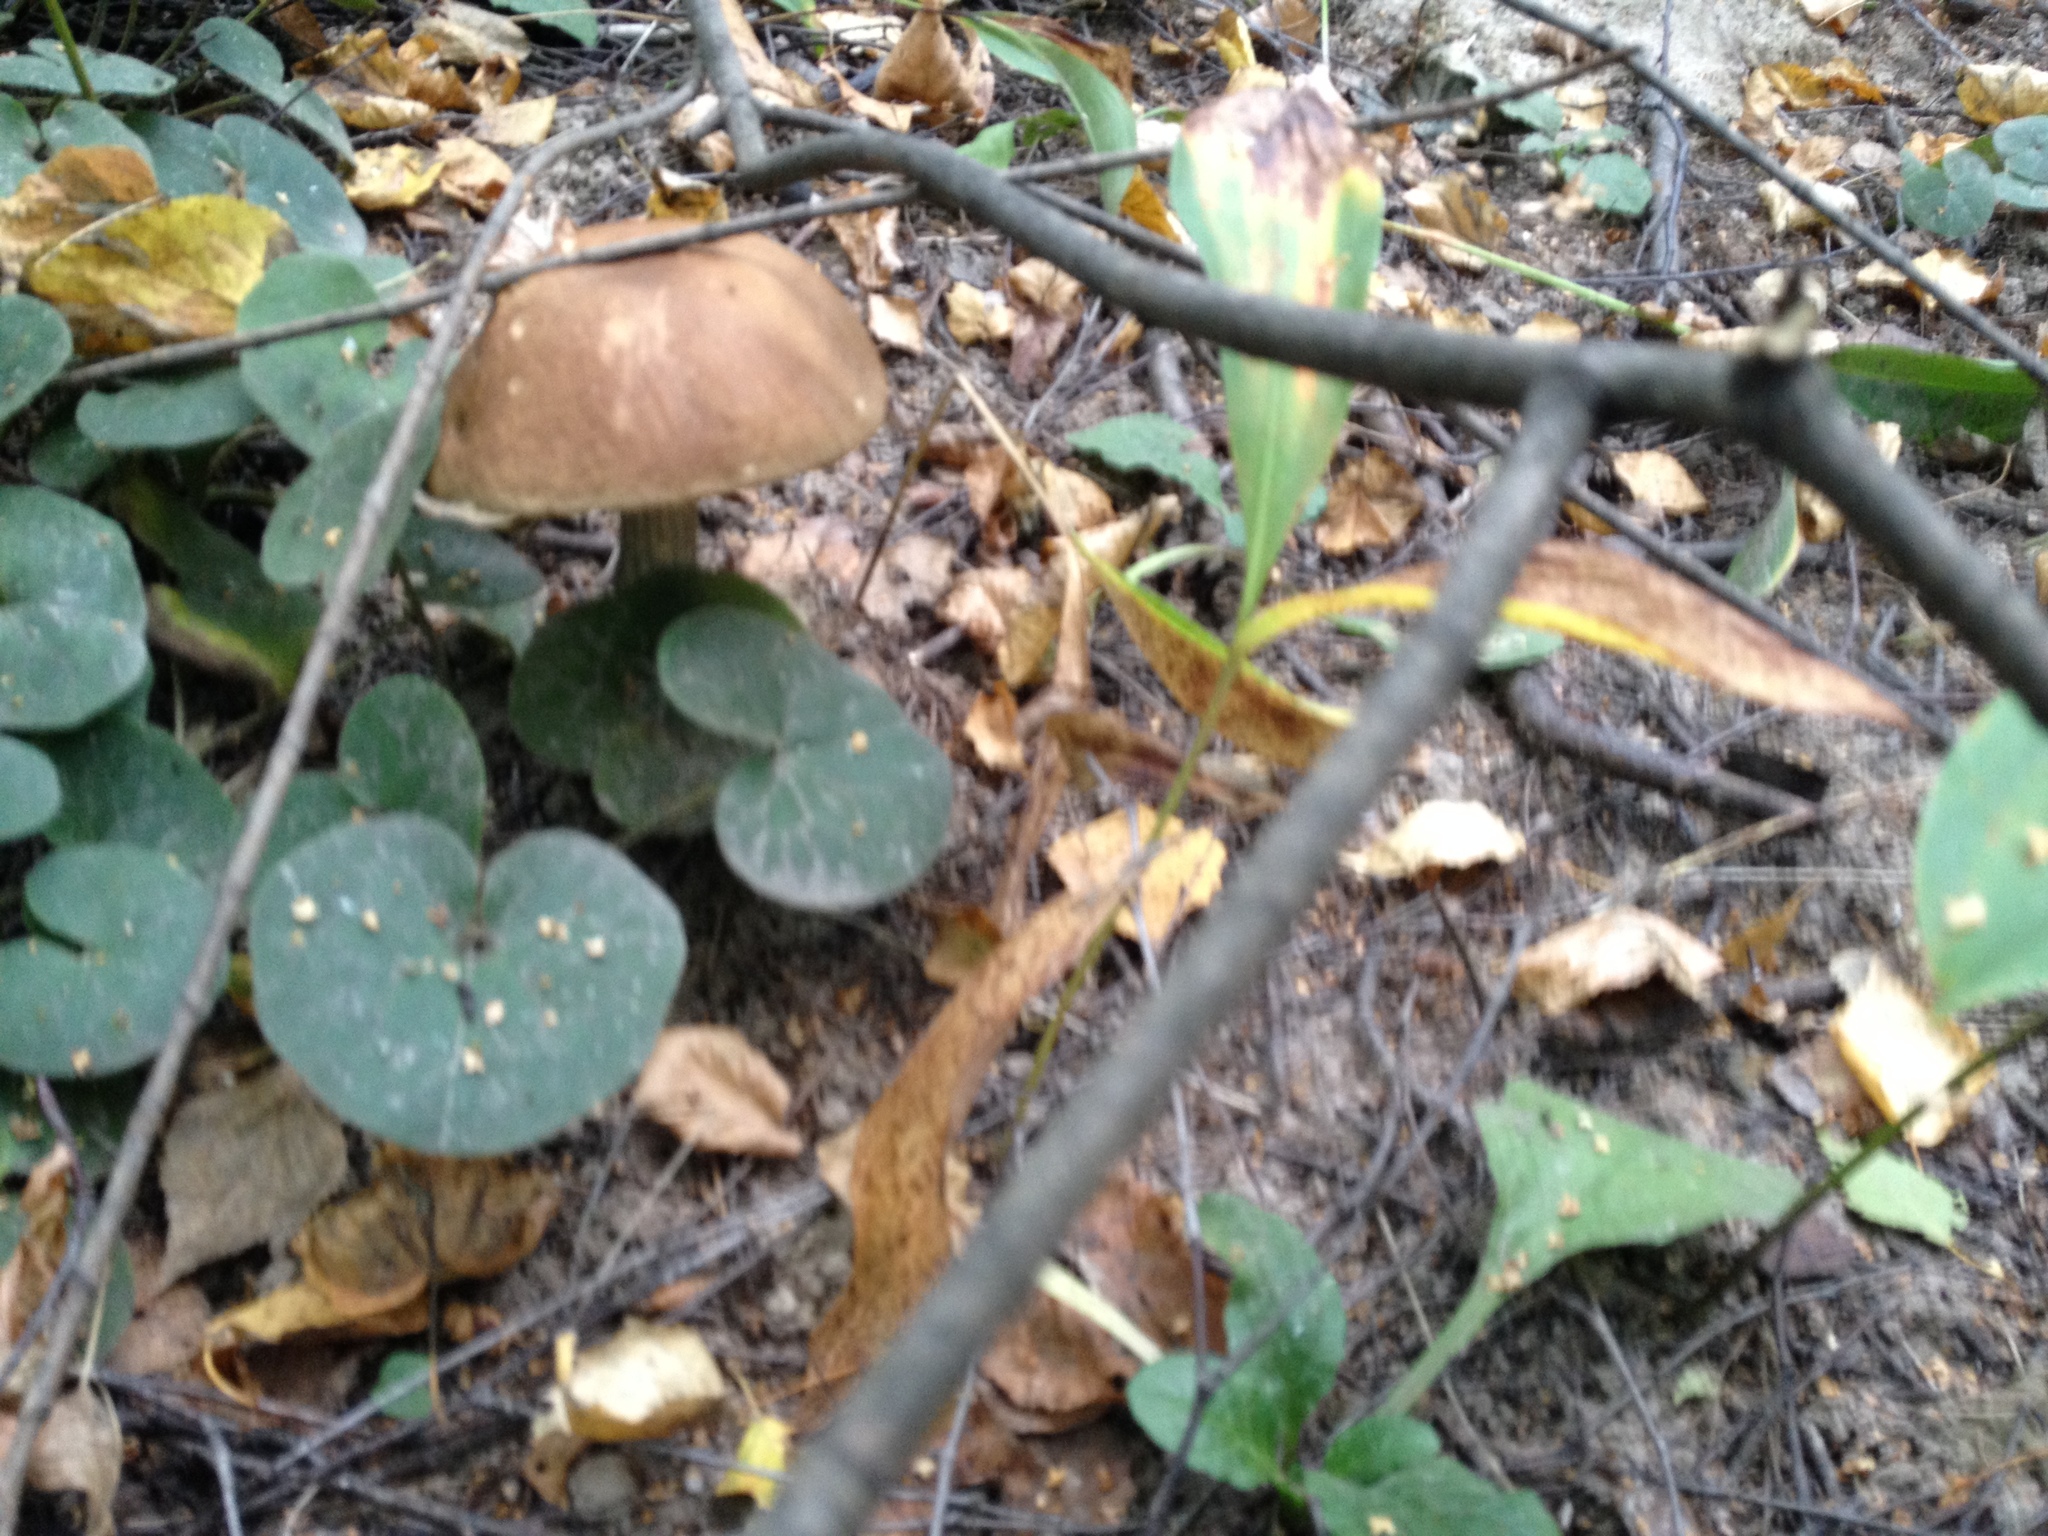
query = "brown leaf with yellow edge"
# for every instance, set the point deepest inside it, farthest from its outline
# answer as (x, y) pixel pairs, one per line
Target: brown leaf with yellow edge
(516, 124)
(709, 1085)
(471, 173)
(1181, 878)
(758, 1465)
(687, 199)
(392, 177)
(39, 1250)
(174, 272)
(1231, 41)
(75, 187)
(1144, 207)
(966, 937)
(991, 730)
(1998, 93)
(1459, 207)
(645, 1382)
(1094, 738)
(901, 1228)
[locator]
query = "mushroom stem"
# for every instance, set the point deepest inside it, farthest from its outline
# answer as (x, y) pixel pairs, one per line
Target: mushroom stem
(650, 541)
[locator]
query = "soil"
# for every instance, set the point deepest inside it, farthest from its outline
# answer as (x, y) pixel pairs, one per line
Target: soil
(1861, 1378)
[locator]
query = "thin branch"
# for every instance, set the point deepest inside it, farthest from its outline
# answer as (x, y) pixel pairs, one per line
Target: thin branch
(719, 57)
(1595, 1315)
(196, 998)
(1886, 250)
(880, 1426)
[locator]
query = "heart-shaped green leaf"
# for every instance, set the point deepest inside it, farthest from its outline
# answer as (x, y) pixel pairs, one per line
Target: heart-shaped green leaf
(71, 612)
(585, 697)
(45, 70)
(1980, 867)
(65, 460)
(849, 804)
(2022, 143)
(94, 992)
(281, 174)
(454, 1013)
(314, 519)
(182, 153)
(168, 413)
(407, 746)
(250, 57)
(1952, 198)
(1248, 1432)
(19, 140)
(84, 124)
(314, 386)
(35, 344)
(125, 781)
(29, 793)
(1439, 1497)
(314, 802)
(464, 567)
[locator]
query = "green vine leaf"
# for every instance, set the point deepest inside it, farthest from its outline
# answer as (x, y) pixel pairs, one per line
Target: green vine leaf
(453, 1010)
(125, 781)
(574, 17)
(847, 804)
(94, 992)
(35, 344)
(45, 71)
(245, 54)
(281, 174)
(188, 412)
(83, 124)
(407, 746)
(1893, 1193)
(72, 613)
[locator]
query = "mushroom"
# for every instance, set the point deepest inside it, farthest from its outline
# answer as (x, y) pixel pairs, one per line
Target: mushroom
(641, 385)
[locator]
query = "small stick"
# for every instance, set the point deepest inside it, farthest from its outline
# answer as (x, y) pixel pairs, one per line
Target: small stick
(910, 468)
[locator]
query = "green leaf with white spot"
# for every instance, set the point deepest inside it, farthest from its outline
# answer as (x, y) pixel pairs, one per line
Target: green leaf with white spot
(35, 344)
(407, 746)
(1440, 1497)
(1767, 556)
(1952, 198)
(464, 567)
(846, 803)
(1893, 1193)
(245, 54)
(186, 412)
(454, 1010)
(1570, 1179)
(585, 697)
(71, 612)
(1980, 866)
(182, 152)
(281, 174)
(1158, 444)
(310, 528)
(125, 781)
(45, 70)
(94, 991)
(29, 792)
(314, 387)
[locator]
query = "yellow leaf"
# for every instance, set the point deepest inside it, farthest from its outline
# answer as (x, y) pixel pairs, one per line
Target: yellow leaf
(74, 188)
(475, 176)
(1143, 206)
(1900, 1054)
(392, 176)
(517, 124)
(1997, 93)
(1657, 480)
(175, 272)
(991, 729)
(646, 1381)
(1182, 878)
(1232, 40)
(764, 1448)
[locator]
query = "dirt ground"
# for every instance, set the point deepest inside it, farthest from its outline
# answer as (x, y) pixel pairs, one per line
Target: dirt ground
(1865, 1381)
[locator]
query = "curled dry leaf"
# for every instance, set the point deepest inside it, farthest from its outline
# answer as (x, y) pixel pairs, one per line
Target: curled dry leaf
(1654, 479)
(894, 321)
(991, 730)
(869, 240)
(469, 35)
(711, 1087)
(896, 116)
(1239, 783)
(1438, 834)
(373, 86)
(1183, 876)
(1899, 1053)
(516, 124)
(168, 1334)
(901, 1227)
(1820, 520)
(392, 177)
(646, 1381)
(924, 67)
(1613, 952)
(1790, 214)
(1837, 16)
(1546, 326)
(1997, 93)
(687, 199)
(978, 314)
(245, 1164)
(1952, 270)
(45, 1214)
(471, 173)
(1373, 499)
(1815, 158)
(1047, 303)
(1459, 207)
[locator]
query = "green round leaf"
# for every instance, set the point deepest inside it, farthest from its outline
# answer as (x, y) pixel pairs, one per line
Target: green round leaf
(585, 697)
(44, 69)
(407, 746)
(464, 567)
(19, 138)
(71, 612)
(313, 802)
(246, 54)
(126, 781)
(280, 173)
(1980, 868)
(66, 460)
(121, 927)
(1378, 1447)
(315, 386)
(309, 531)
(1438, 1498)
(454, 1015)
(2022, 143)
(849, 805)
(1952, 199)
(403, 1365)
(177, 413)
(182, 152)
(2019, 192)
(1616, 184)
(29, 793)
(81, 124)
(35, 344)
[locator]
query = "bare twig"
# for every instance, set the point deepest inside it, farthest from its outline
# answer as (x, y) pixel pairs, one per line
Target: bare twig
(1596, 1316)
(720, 60)
(875, 1432)
(195, 999)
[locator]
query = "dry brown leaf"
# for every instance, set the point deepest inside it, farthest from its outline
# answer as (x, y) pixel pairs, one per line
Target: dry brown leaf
(896, 116)
(687, 199)
(245, 1164)
(817, 562)
(1954, 271)
(39, 1250)
(1047, 303)
(1545, 326)
(869, 240)
(894, 321)
(1837, 16)
(1790, 214)
(1899, 1053)
(74, 187)
(78, 1450)
(1820, 520)
(1654, 479)
(1997, 93)
(1815, 158)
(1459, 207)
(372, 86)
(1613, 952)
(172, 272)
(551, 1451)
(711, 1087)
(1182, 878)
(1464, 321)
(978, 314)
(167, 1335)
(469, 35)
(982, 602)
(516, 124)
(1437, 834)
(991, 730)
(1584, 103)
(1099, 738)
(1144, 206)
(643, 1383)
(901, 1227)
(926, 68)
(392, 177)
(966, 937)
(762, 1457)
(1373, 499)
(1932, 148)
(474, 175)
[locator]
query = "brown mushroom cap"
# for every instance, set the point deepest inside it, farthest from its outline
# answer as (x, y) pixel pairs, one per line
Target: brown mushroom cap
(646, 383)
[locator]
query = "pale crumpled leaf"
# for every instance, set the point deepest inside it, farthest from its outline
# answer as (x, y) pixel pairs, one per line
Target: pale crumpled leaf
(711, 1087)
(1182, 878)
(1899, 1053)
(1613, 952)
(1653, 478)
(1438, 834)
(646, 1381)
